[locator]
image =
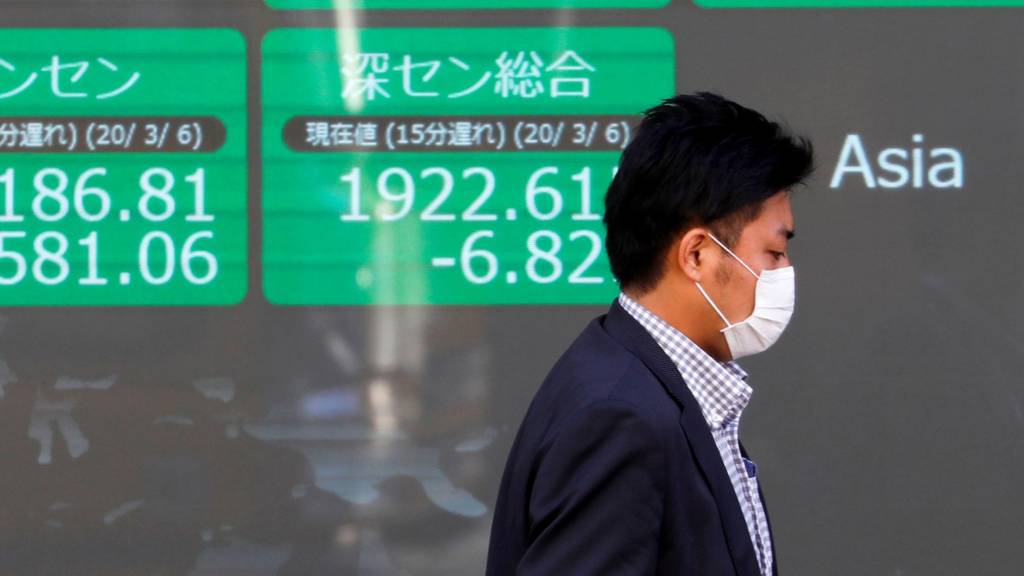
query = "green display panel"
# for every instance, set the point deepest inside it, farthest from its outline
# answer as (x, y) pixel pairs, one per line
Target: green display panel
(122, 167)
(462, 4)
(856, 3)
(455, 166)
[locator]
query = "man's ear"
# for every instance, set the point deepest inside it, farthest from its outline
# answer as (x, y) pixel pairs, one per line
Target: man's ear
(691, 251)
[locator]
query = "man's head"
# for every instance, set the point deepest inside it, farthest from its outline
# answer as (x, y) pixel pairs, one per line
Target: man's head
(700, 165)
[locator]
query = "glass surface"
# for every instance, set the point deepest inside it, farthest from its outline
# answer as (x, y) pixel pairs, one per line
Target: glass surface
(284, 419)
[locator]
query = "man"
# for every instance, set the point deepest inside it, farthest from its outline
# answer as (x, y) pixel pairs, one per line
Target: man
(628, 460)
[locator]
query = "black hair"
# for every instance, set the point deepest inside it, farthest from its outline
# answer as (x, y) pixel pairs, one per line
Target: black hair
(695, 160)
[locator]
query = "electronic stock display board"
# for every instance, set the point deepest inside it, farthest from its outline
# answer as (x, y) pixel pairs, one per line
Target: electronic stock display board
(426, 190)
(124, 167)
(279, 278)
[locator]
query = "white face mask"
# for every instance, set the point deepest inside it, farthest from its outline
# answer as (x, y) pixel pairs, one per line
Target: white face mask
(774, 298)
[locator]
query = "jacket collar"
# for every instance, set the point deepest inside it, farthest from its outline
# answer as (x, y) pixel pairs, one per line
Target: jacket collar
(720, 388)
(621, 326)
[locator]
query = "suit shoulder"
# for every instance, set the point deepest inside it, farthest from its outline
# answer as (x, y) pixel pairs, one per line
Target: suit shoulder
(594, 369)
(591, 366)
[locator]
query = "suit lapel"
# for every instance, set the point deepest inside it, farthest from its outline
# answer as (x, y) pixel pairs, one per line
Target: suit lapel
(624, 328)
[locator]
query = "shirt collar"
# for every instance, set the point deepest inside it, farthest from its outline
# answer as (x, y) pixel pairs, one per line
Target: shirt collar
(719, 387)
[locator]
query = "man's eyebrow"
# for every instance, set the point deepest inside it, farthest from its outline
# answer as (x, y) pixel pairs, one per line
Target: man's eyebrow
(787, 233)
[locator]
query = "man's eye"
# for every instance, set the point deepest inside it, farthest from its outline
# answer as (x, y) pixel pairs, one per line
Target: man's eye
(778, 255)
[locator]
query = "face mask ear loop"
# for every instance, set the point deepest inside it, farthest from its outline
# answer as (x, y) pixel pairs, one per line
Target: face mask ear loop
(710, 301)
(744, 264)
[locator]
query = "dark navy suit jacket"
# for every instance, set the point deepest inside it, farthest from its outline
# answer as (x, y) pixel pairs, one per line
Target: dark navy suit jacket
(614, 470)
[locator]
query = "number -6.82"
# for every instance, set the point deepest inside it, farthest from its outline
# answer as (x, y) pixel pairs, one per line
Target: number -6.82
(544, 264)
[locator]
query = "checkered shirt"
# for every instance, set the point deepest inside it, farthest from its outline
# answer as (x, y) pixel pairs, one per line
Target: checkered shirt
(722, 393)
